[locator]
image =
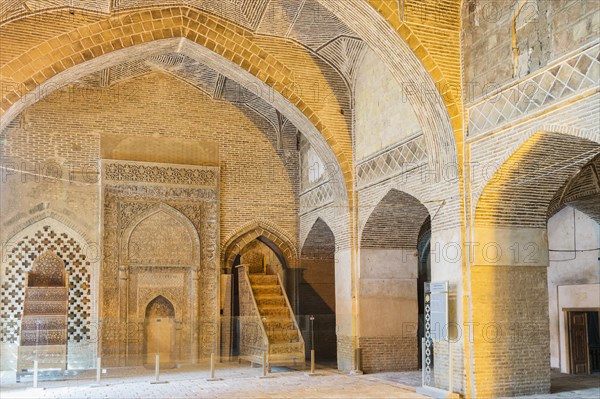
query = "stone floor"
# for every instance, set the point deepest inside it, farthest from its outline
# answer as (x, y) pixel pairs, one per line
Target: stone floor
(241, 381)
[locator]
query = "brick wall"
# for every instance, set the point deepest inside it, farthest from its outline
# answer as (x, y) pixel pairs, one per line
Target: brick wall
(65, 129)
(511, 331)
(394, 353)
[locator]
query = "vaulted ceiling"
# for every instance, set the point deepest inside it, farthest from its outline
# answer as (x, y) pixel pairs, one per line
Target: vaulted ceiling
(306, 51)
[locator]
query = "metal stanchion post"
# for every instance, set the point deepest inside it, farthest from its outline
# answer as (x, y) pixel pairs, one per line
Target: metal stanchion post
(98, 370)
(212, 369)
(98, 373)
(450, 367)
(312, 347)
(157, 370)
(35, 373)
(265, 371)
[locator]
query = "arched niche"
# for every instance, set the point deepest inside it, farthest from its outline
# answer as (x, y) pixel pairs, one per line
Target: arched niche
(389, 264)
(317, 291)
(159, 332)
(161, 236)
(28, 240)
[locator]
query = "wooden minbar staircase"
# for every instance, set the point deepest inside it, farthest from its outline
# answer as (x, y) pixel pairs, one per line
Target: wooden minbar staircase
(267, 322)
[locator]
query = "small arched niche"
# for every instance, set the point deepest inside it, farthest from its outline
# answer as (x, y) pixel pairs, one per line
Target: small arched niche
(159, 332)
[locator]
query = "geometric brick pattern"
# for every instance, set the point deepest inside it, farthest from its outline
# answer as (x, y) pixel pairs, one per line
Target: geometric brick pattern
(20, 260)
(230, 41)
(316, 197)
(561, 80)
(392, 161)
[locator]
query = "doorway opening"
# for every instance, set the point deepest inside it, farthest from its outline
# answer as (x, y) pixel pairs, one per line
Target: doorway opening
(584, 342)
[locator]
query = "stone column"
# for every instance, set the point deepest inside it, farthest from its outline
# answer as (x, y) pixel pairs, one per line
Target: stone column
(123, 310)
(344, 315)
(509, 300)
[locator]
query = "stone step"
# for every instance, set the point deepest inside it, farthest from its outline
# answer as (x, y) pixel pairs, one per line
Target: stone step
(263, 279)
(44, 308)
(44, 337)
(274, 311)
(255, 269)
(269, 300)
(266, 290)
(46, 294)
(281, 330)
(286, 347)
(54, 322)
(280, 336)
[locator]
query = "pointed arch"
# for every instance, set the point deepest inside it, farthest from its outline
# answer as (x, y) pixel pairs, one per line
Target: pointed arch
(162, 299)
(536, 170)
(171, 212)
(81, 263)
(427, 88)
(252, 231)
(49, 65)
(395, 222)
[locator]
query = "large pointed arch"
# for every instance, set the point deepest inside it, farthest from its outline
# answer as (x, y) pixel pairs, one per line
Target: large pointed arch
(49, 65)
(508, 274)
(436, 107)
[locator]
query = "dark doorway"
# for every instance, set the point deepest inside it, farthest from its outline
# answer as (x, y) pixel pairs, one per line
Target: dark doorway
(317, 294)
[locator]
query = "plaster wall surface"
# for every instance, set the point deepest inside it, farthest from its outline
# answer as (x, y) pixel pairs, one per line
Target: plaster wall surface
(63, 131)
(383, 114)
(544, 31)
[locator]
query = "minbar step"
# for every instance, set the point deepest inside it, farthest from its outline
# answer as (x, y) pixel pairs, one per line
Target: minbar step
(263, 279)
(274, 311)
(270, 300)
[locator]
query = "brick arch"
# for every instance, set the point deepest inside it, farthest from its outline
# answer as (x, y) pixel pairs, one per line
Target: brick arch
(234, 245)
(520, 192)
(581, 192)
(411, 63)
(395, 222)
(320, 240)
(56, 56)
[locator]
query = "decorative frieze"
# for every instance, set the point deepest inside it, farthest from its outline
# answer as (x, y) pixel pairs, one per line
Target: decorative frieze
(392, 161)
(560, 81)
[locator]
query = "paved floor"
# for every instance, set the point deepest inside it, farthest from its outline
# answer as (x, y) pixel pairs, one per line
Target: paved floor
(241, 381)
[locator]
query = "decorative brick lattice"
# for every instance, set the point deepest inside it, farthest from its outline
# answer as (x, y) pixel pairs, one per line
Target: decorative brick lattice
(392, 161)
(580, 72)
(316, 197)
(20, 260)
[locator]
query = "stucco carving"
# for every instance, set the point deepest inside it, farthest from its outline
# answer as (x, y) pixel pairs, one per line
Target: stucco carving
(160, 239)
